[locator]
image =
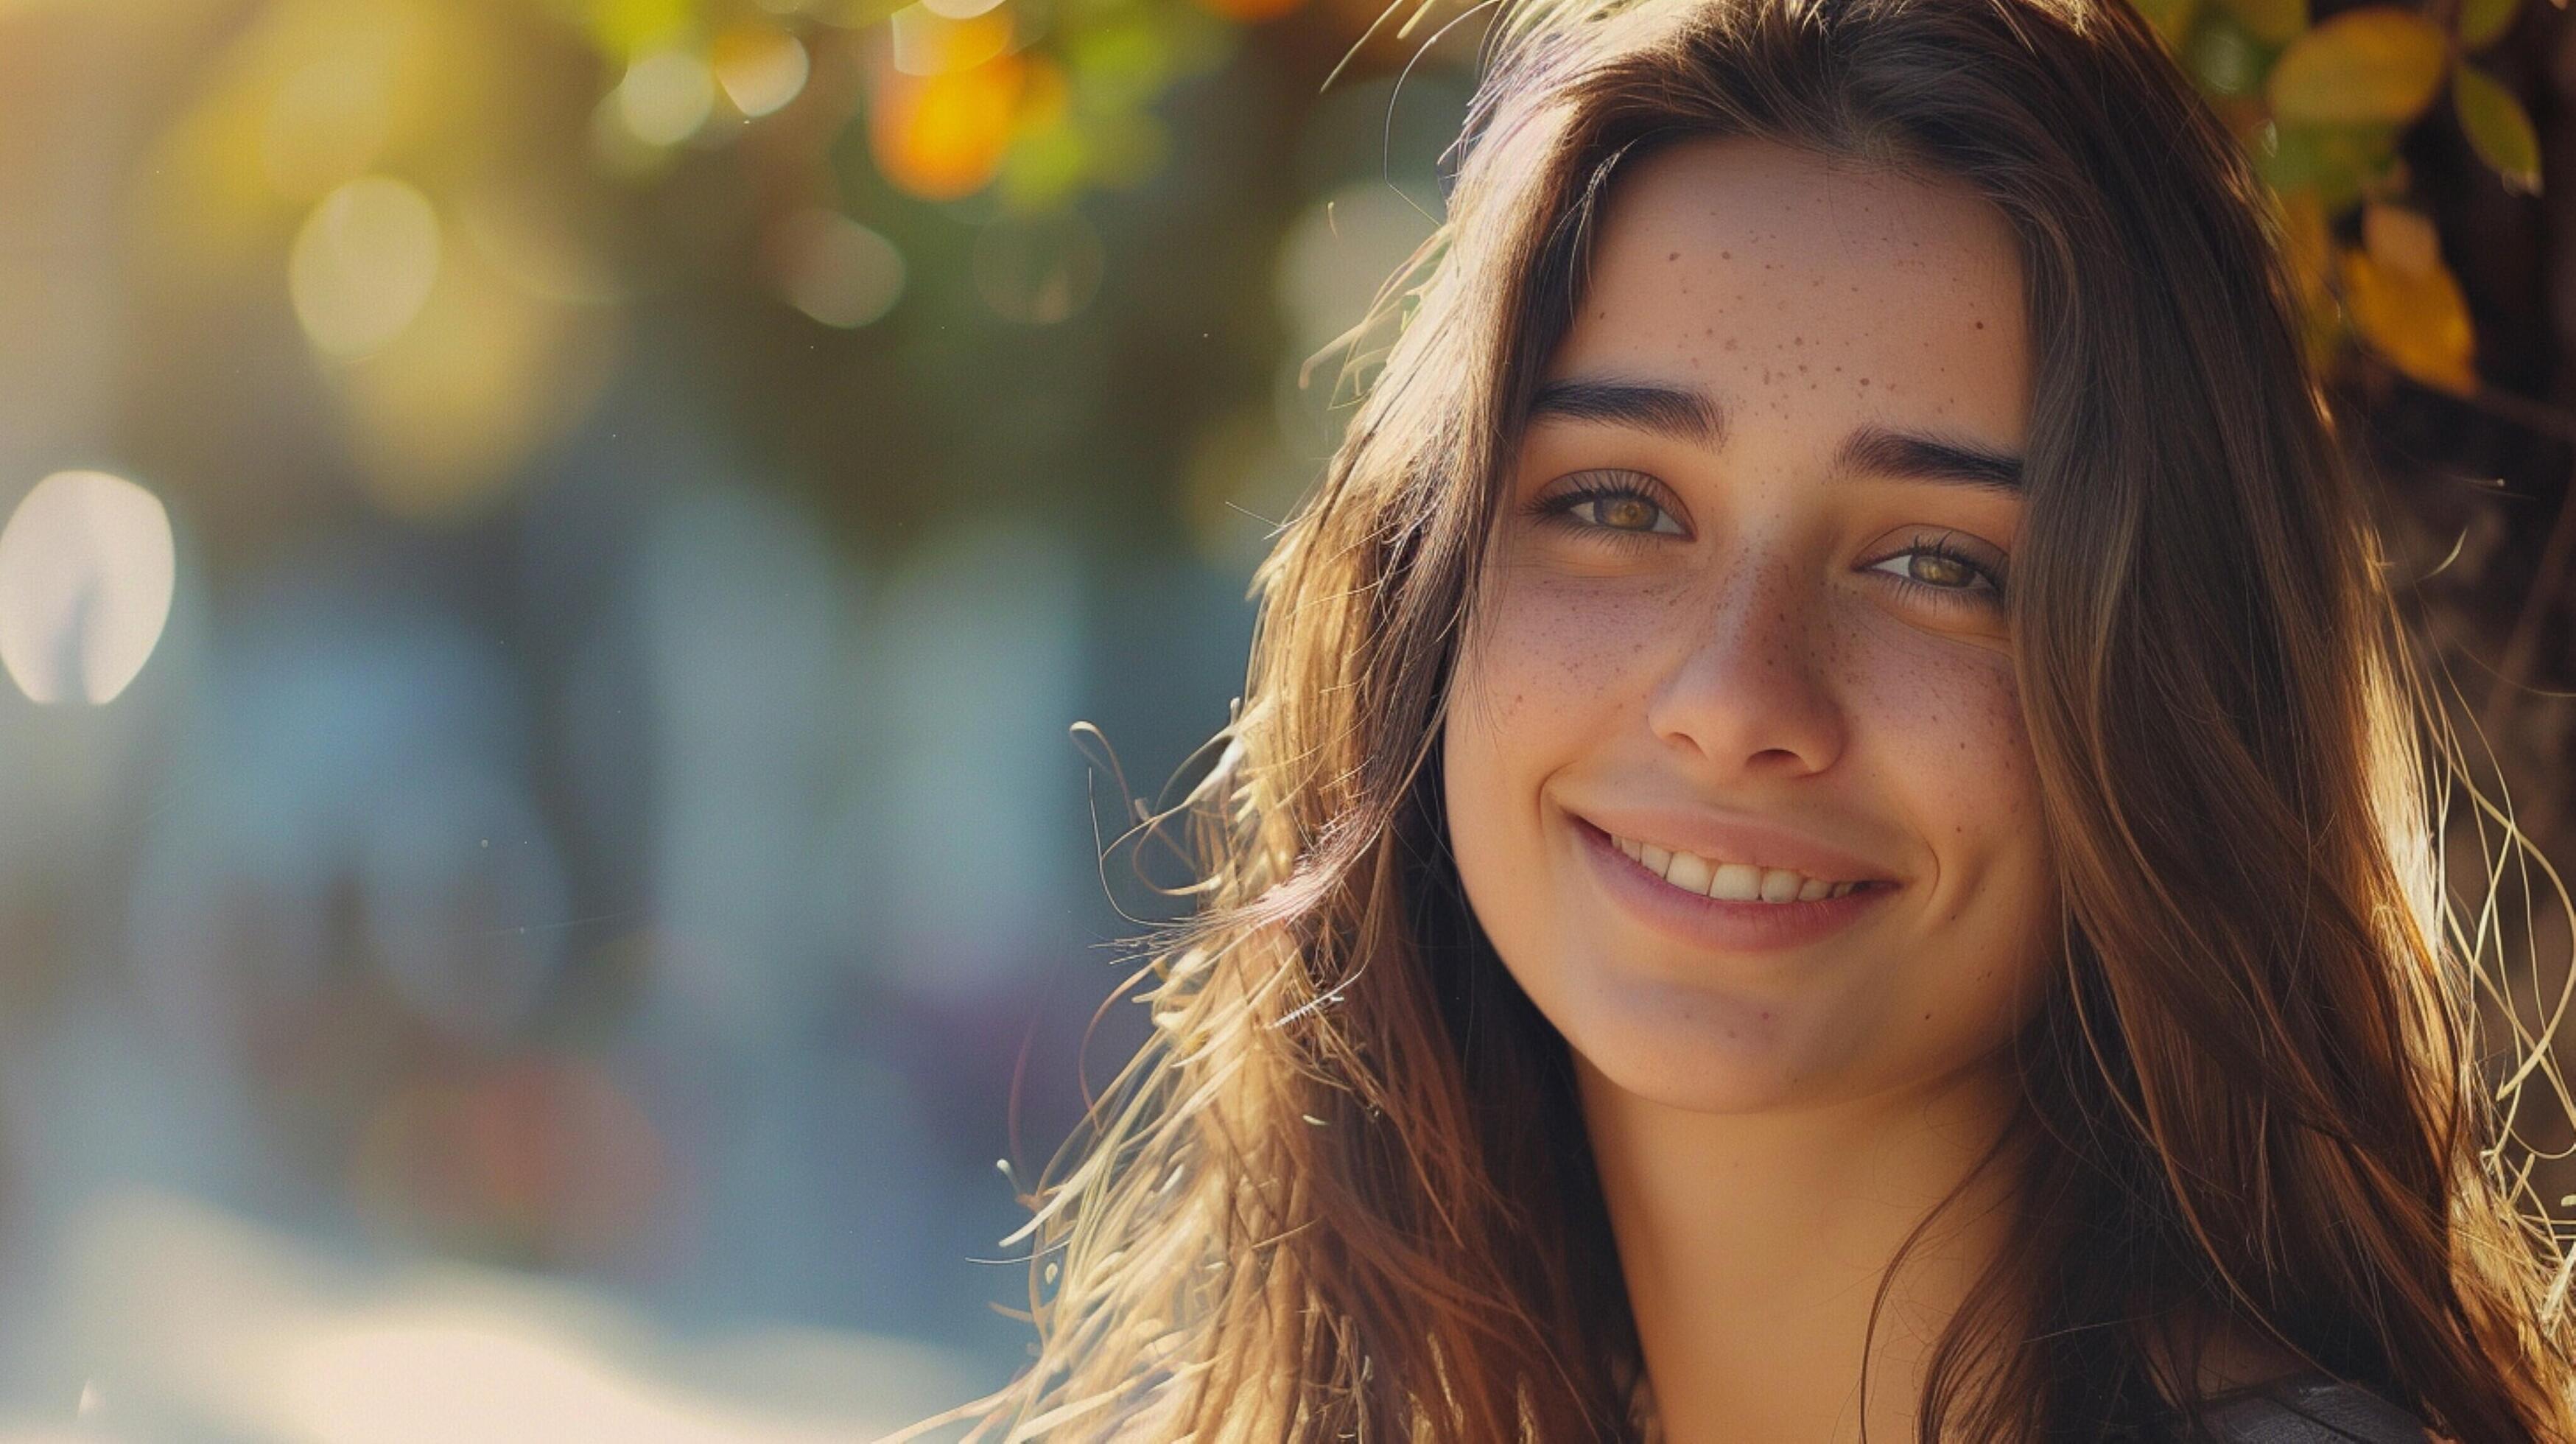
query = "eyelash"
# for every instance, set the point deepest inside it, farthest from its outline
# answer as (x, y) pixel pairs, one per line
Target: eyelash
(1557, 510)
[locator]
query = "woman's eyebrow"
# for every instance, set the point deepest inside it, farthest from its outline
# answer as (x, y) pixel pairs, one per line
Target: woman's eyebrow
(1881, 452)
(1687, 414)
(1678, 413)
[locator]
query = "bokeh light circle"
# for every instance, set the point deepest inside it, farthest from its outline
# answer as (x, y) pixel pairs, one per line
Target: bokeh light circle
(666, 96)
(761, 67)
(87, 566)
(363, 264)
(834, 269)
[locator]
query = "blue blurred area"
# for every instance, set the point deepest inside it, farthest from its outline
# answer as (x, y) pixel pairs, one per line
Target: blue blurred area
(571, 911)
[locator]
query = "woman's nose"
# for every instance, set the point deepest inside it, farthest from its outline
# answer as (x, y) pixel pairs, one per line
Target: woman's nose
(1746, 672)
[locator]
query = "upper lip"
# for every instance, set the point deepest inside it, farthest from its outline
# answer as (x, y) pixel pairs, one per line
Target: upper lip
(1738, 839)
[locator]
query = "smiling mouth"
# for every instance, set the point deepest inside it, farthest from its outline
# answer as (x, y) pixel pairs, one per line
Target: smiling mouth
(1727, 881)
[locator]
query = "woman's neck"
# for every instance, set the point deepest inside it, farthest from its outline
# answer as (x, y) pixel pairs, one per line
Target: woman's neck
(1753, 1244)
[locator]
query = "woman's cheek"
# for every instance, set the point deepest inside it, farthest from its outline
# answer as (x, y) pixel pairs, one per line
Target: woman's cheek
(1562, 650)
(1946, 712)
(1543, 683)
(1942, 727)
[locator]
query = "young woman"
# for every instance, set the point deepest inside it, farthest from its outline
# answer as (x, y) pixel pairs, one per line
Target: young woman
(1828, 834)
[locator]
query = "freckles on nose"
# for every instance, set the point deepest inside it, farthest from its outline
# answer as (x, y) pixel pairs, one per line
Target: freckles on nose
(1776, 636)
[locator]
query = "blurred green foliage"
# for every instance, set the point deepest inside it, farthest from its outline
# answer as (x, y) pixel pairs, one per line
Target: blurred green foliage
(2324, 106)
(462, 216)
(1041, 98)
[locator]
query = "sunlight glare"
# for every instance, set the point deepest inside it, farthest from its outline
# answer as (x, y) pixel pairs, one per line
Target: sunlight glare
(666, 97)
(761, 67)
(835, 270)
(363, 264)
(87, 565)
(925, 42)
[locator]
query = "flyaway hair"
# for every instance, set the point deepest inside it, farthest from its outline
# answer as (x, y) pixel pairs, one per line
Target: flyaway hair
(1344, 1193)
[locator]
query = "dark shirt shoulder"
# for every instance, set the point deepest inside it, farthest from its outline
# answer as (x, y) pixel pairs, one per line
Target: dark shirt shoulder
(2306, 1409)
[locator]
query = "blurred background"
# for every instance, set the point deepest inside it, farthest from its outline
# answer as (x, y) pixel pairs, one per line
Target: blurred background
(555, 552)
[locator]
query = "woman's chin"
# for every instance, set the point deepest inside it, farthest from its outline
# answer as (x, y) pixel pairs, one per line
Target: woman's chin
(1704, 1052)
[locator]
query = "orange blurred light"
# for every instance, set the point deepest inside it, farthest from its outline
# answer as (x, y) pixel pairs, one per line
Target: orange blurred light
(942, 137)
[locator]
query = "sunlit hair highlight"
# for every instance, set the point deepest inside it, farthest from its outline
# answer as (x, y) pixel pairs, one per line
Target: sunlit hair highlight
(1343, 1191)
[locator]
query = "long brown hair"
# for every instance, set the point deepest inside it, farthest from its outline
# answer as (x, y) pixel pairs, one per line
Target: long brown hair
(1344, 1192)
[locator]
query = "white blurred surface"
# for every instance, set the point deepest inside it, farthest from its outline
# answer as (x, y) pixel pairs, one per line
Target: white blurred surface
(170, 1319)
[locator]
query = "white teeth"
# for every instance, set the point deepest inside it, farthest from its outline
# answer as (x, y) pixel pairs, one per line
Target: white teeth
(1737, 882)
(1730, 881)
(1689, 872)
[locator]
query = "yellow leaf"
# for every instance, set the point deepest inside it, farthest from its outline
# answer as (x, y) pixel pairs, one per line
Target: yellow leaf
(2378, 63)
(2483, 22)
(2274, 22)
(2419, 322)
(2497, 126)
(2400, 240)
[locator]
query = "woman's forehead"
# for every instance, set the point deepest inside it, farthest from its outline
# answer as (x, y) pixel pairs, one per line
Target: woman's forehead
(1797, 288)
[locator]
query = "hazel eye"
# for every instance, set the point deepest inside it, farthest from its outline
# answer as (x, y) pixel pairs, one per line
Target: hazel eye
(1933, 566)
(1624, 512)
(1612, 506)
(1936, 568)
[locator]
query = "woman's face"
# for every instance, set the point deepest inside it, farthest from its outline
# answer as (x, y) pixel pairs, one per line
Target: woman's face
(1743, 613)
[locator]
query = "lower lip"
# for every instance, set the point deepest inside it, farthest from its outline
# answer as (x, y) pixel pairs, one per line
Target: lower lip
(1716, 923)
